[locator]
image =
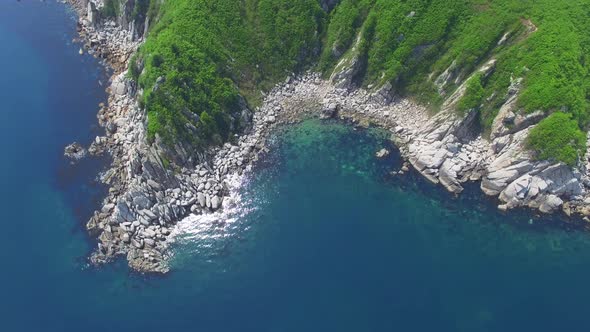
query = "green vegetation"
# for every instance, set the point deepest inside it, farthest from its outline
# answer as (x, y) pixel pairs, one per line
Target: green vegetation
(474, 94)
(411, 43)
(558, 137)
(203, 56)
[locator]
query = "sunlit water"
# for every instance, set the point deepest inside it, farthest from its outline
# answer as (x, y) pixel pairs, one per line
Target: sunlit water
(322, 237)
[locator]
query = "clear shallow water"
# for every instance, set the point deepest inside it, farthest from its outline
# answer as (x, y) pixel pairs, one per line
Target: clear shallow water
(328, 241)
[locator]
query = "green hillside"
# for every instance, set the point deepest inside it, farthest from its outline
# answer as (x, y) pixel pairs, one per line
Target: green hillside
(208, 52)
(204, 54)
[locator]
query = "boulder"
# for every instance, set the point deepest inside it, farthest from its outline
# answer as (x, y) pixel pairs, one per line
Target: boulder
(137, 243)
(202, 199)
(125, 238)
(550, 204)
(123, 213)
(382, 153)
(215, 202)
(330, 111)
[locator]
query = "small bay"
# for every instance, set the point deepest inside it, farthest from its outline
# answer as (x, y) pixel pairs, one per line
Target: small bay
(326, 239)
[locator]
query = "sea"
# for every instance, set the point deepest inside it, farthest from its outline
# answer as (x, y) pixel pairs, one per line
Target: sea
(325, 236)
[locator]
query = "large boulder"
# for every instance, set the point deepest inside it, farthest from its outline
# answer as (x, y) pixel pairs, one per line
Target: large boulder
(551, 204)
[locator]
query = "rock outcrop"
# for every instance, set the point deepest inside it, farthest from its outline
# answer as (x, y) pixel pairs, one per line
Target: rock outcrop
(75, 151)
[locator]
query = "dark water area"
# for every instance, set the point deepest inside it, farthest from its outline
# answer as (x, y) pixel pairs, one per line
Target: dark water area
(325, 239)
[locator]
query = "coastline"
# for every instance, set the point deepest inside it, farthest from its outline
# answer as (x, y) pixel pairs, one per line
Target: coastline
(146, 199)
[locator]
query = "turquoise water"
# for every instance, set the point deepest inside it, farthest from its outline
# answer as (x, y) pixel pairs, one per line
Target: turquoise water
(326, 239)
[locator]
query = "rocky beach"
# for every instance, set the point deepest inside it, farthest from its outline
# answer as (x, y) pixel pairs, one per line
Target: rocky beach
(148, 194)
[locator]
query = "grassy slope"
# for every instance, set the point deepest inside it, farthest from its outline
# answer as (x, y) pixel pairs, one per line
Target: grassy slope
(212, 51)
(411, 42)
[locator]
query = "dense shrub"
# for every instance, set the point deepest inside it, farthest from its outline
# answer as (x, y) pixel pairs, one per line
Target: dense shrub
(474, 93)
(558, 138)
(203, 53)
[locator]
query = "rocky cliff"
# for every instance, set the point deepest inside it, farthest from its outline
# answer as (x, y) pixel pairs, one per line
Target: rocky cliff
(449, 148)
(149, 192)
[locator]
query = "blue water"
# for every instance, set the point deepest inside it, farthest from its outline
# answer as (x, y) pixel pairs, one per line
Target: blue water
(331, 241)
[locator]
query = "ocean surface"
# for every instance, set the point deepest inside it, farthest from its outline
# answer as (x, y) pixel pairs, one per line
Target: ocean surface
(324, 239)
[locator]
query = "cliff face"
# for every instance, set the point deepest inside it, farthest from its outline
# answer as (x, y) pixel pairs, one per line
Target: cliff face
(131, 15)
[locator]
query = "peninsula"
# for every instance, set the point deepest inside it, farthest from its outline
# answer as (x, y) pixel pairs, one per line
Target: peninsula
(495, 92)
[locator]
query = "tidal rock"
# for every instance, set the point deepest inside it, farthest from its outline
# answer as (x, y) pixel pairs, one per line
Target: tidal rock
(75, 151)
(331, 111)
(382, 153)
(551, 204)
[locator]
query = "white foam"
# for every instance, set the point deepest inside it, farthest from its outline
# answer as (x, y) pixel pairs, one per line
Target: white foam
(196, 228)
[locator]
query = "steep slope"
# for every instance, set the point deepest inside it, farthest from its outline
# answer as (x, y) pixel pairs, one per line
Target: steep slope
(203, 56)
(427, 49)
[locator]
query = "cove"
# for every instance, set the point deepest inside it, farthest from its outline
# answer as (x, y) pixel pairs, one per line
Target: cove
(332, 242)
(325, 239)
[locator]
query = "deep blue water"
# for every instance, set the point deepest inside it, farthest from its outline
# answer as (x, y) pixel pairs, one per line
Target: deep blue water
(331, 241)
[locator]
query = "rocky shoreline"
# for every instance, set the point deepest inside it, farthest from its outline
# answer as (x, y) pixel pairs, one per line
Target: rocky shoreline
(147, 197)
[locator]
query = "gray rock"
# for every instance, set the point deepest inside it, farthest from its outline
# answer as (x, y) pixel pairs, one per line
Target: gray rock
(111, 127)
(125, 238)
(215, 202)
(119, 88)
(75, 151)
(448, 178)
(148, 214)
(148, 233)
(551, 204)
(142, 202)
(137, 243)
(331, 111)
(144, 221)
(382, 153)
(123, 213)
(154, 185)
(202, 199)
(108, 208)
